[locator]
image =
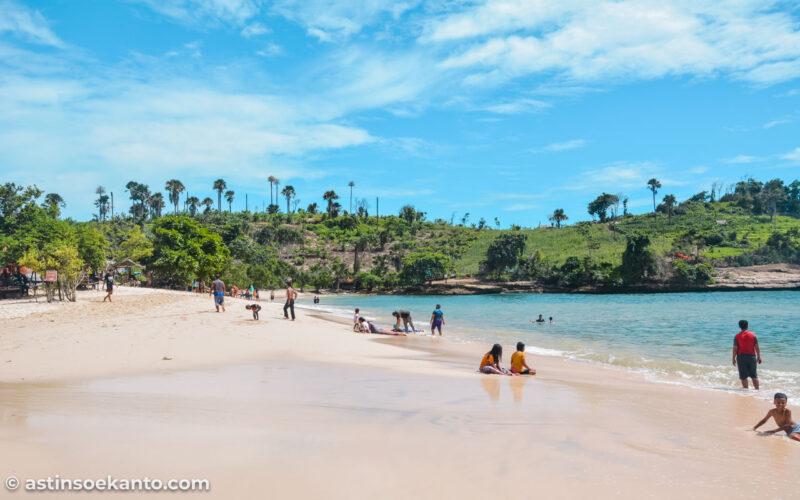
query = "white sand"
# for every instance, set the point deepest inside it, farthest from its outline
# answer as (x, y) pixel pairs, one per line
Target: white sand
(310, 409)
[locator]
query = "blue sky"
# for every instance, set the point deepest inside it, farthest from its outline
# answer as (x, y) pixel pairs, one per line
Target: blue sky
(499, 108)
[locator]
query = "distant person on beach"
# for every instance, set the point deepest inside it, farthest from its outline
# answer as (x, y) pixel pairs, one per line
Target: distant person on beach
(518, 364)
(746, 354)
(406, 317)
(783, 418)
(540, 319)
(316, 299)
(356, 322)
(490, 363)
(218, 291)
(369, 326)
(291, 295)
(551, 320)
(271, 295)
(437, 320)
(255, 308)
(109, 286)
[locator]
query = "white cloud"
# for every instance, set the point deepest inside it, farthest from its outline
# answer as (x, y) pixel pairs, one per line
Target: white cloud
(26, 23)
(520, 206)
(255, 29)
(775, 123)
(560, 146)
(793, 156)
(206, 12)
(270, 50)
(597, 40)
(517, 106)
(742, 159)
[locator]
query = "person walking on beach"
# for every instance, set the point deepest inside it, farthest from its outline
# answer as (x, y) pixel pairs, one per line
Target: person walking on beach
(406, 317)
(109, 286)
(437, 320)
(291, 295)
(218, 290)
(746, 354)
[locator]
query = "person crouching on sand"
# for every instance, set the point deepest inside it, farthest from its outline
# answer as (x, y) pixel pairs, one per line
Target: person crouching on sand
(490, 363)
(518, 364)
(783, 418)
(255, 308)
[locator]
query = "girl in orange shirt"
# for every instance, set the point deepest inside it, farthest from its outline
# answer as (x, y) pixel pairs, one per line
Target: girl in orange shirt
(491, 362)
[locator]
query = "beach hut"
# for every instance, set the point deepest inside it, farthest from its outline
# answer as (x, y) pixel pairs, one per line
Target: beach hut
(129, 266)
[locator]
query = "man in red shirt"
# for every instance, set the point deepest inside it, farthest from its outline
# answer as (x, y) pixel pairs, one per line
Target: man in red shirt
(746, 354)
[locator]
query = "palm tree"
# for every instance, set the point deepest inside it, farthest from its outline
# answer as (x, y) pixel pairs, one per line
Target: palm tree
(312, 208)
(277, 183)
(271, 179)
(558, 216)
(229, 198)
(208, 203)
(669, 201)
(351, 184)
(156, 204)
(193, 202)
(219, 187)
(288, 192)
(141, 193)
(330, 197)
(174, 187)
(653, 186)
(339, 271)
(102, 206)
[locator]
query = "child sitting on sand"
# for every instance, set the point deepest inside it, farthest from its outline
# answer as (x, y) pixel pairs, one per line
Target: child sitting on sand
(518, 364)
(782, 417)
(491, 362)
(255, 308)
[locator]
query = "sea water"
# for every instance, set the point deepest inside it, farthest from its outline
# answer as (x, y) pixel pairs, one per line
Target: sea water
(683, 338)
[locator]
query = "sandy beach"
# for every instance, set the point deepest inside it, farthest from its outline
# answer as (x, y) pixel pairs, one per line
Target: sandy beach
(157, 384)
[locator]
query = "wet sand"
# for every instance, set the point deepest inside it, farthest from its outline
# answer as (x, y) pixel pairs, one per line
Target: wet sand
(310, 409)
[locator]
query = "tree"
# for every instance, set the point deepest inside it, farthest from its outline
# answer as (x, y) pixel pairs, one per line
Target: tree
(653, 186)
(219, 187)
(600, 205)
(156, 205)
(669, 201)
(138, 193)
(208, 203)
(361, 242)
(351, 184)
(419, 267)
(101, 203)
(772, 194)
(185, 250)
(277, 183)
(408, 214)
(497, 222)
(229, 198)
(504, 252)
(330, 197)
(558, 217)
(339, 270)
(193, 202)
(312, 208)
(288, 192)
(637, 259)
(174, 187)
(271, 179)
(54, 202)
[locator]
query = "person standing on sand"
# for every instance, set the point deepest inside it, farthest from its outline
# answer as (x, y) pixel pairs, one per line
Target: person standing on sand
(109, 286)
(746, 354)
(437, 320)
(291, 295)
(218, 290)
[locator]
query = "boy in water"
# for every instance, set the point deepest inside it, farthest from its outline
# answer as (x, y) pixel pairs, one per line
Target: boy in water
(255, 308)
(437, 320)
(518, 364)
(782, 417)
(746, 354)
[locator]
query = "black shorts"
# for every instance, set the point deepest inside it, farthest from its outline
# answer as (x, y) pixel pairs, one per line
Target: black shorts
(747, 366)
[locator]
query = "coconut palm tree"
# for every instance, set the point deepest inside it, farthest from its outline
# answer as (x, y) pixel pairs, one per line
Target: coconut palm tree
(277, 183)
(558, 216)
(208, 203)
(219, 187)
(102, 206)
(54, 201)
(193, 202)
(669, 201)
(271, 179)
(229, 198)
(351, 184)
(653, 186)
(330, 197)
(156, 204)
(339, 270)
(288, 192)
(174, 187)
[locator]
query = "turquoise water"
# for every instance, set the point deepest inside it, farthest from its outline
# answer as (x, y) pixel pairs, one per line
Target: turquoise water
(679, 338)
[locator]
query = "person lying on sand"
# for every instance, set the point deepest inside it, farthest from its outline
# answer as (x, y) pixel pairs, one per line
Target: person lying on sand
(490, 363)
(369, 326)
(518, 364)
(783, 418)
(255, 308)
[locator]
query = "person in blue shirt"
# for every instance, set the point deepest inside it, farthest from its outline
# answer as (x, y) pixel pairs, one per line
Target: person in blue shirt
(437, 320)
